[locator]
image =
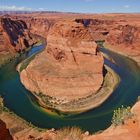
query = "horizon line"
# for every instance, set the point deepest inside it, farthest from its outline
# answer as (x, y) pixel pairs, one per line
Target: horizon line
(33, 11)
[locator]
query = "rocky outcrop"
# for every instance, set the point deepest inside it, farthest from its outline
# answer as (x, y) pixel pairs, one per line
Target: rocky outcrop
(4, 132)
(17, 33)
(14, 38)
(94, 22)
(129, 130)
(37, 25)
(43, 24)
(125, 39)
(69, 69)
(126, 35)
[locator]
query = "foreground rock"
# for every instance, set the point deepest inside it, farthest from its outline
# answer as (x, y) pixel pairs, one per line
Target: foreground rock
(4, 132)
(69, 69)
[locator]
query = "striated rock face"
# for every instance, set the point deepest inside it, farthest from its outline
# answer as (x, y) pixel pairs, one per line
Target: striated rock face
(125, 39)
(43, 24)
(14, 38)
(4, 132)
(37, 25)
(69, 69)
(127, 35)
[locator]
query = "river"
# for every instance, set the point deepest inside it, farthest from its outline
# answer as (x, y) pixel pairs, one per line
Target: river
(21, 102)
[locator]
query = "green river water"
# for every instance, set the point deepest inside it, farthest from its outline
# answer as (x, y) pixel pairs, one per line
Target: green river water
(21, 102)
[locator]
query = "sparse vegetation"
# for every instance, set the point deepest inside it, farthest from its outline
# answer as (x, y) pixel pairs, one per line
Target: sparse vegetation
(73, 133)
(138, 98)
(121, 114)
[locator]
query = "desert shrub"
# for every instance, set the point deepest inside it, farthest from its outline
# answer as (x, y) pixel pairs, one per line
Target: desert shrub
(138, 98)
(121, 114)
(73, 133)
(1, 101)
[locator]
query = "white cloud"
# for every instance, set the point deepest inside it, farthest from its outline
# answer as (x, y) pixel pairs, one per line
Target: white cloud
(41, 9)
(14, 8)
(126, 6)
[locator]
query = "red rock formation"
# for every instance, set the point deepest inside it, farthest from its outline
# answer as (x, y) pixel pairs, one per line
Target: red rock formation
(14, 37)
(69, 68)
(125, 38)
(37, 25)
(124, 35)
(4, 132)
(43, 24)
(17, 33)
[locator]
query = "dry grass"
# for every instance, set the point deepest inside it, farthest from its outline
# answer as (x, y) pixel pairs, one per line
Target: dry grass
(73, 133)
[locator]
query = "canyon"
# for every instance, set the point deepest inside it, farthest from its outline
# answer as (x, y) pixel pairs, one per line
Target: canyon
(71, 67)
(14, 38)
(68, 60)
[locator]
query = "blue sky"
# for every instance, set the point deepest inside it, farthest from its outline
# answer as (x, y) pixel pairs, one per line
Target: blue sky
(84, 6)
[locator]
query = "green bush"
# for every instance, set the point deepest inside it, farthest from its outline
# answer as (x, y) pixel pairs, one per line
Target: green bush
(121, 114)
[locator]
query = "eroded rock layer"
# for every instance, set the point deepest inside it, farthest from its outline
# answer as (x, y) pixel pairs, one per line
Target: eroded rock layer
(69, 69)
(14, 38)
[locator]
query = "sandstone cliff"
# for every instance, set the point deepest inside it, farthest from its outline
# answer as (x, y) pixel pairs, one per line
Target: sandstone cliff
(69, 69)
(125, 39)
(14, 38)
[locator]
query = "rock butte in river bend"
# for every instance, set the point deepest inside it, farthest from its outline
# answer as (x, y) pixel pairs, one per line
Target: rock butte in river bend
(70, 67)
(121, 33)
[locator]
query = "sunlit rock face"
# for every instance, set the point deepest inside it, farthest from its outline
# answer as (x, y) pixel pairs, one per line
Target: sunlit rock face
(70, 68)
(15, 34)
